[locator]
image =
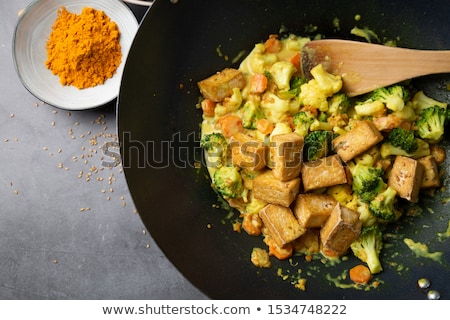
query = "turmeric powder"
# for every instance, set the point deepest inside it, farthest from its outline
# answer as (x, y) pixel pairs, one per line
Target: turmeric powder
(83, 50)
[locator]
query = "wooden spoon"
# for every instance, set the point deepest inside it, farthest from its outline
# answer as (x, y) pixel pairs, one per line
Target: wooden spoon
(365, 67)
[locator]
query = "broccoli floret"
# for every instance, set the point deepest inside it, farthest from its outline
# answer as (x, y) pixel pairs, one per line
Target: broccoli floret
(367, 247)
(228, 182)
(383, 205)
(338, 103)
(250, 113)
(394, 97)
(423, 150)
(214, 143)
(367, 181)
(420, 102)
(318, 145)
(302, 121)
(430, 125)
(294, 90)
(404, 139)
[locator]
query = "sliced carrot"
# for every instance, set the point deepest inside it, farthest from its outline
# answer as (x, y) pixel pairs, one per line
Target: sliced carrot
(258, 83)
(264, 126)
(280, 253)
(273, 45)
(230, 124)
(208, 107)
(295, 60)
(360, 274)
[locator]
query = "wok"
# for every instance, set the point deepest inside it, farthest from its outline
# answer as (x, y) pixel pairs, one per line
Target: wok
(181, 43)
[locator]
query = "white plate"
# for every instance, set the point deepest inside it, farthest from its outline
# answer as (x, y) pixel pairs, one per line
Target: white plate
(29, 52)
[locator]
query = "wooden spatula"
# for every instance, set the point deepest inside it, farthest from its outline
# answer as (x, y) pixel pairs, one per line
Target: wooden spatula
(365, 67)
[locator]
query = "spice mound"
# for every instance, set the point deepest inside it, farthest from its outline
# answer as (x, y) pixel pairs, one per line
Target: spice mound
(83, 49)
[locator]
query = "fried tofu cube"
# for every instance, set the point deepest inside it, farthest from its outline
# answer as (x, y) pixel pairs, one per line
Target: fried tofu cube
(220, 85)
(269, 189)
(340, 230)
(363, 136)
(431, 178)
(247, 152)
(286, 155)
(281, 224)
(406, 178)
(312, 210)
(324, 172)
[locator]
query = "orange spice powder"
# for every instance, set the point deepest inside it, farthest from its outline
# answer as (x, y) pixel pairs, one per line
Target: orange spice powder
(83, 50)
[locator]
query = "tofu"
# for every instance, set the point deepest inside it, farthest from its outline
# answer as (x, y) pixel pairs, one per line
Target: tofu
(220, 85)
(363, 136)
(247, 152)
(286, 155)
(340, 230)
(269, 189)
(281, 224)
(324, 172)
(431, 178)
(406, 178)
(312, 210)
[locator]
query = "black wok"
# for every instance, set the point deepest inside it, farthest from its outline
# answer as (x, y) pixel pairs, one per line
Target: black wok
(180, 44)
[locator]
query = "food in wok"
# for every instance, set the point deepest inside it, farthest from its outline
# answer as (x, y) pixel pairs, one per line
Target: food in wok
(312, 171)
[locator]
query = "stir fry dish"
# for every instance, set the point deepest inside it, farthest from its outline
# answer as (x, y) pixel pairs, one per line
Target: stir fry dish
(309, 169)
